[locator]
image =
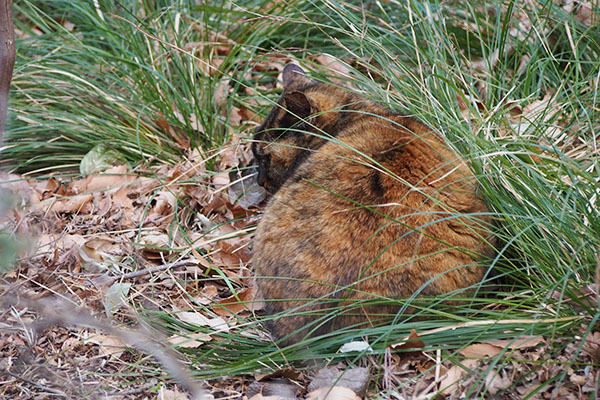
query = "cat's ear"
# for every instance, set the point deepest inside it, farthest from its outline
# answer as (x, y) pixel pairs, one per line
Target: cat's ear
(298, 104)
(293, 76)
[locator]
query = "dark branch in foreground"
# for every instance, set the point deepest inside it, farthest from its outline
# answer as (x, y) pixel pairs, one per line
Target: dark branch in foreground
(7, 58)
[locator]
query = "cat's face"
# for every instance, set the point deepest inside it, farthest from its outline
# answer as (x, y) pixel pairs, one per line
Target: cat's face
(276, 147)
(294, 127)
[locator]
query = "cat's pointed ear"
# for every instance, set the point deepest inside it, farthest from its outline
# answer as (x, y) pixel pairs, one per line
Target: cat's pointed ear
(298, 104)
(293, 76)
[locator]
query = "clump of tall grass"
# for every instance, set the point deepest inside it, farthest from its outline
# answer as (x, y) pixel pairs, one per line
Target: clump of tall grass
(147, 80)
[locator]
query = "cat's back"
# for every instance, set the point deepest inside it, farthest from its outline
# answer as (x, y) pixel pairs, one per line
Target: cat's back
(378, 195)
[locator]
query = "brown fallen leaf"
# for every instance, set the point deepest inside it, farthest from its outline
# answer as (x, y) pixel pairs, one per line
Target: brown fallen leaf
(521, 342)
(112, 178)
(165, 203)
(495, 381)
(182, 140)
(233, 154)
(492, 348)
(409, 342)
(221, 92)
(233, 252)
(336, 67)
(156, 245)
(49, 242)
(449, 382)
(591, 346)
(75, 204)
(481, 350)
(166, 394)
(100, 250)
(243, 300)
(587, 296)
(109, 346)
(192, 340)
(218, 324)
(120, 199)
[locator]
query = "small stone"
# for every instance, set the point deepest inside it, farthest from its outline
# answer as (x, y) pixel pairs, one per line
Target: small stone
(277, 389)
(334, 393)
(355, 379)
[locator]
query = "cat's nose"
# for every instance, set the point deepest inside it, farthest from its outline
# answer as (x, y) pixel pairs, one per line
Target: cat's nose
(260, 178)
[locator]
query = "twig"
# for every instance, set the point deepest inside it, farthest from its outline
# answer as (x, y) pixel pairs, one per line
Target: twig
(151, 270)
(106, 281)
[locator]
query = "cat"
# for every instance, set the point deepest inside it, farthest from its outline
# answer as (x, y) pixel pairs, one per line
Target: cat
(366, 204)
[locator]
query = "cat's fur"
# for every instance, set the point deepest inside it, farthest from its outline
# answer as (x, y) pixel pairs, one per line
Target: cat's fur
(367, 204)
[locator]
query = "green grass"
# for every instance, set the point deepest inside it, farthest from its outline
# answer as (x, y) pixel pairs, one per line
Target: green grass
(119, 70)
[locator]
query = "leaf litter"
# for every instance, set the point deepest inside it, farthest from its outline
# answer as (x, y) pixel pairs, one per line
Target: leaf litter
(160, 236)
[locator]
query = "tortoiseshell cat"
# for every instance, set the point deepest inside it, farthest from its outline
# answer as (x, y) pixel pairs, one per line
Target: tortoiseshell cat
(367, 204)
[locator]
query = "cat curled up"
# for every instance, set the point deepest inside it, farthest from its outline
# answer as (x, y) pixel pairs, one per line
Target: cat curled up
(367, 204)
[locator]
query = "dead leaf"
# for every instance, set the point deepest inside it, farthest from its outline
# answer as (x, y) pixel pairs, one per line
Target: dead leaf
(115, 296)
(232, 154)
(207, 294)
(156, 245)
(521, 342)
(481, 350)
(243, 300)
(448, 384)
(220, 180)
(218, 324)
(233, 252)
(109, 346)
(100, 252)
(112, 178)
(120, 199)
(355, 345)
(591, 346)
(221, 92)
(75, 204)
(244, 189)
(587, 296)
(166, 394)
(192, 340)
(492, 348)
(166, 202)
(494, 382)
(49, 242)
(193, 123)
(409, 342)
(261, 397)
(334, 65)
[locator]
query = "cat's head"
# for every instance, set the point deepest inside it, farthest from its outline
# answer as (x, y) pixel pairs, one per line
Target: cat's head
(297, 125)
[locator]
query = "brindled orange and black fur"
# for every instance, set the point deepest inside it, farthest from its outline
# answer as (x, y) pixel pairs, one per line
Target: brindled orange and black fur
(366, 204)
